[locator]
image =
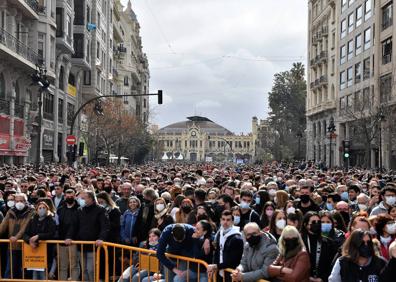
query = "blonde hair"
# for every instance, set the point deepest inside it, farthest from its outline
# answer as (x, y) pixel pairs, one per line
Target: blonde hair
(289, 232)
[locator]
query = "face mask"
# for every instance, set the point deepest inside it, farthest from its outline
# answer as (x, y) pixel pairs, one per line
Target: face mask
(258, 200)
(107, 189)
(147, 201)
(329, 207)
(152, 244)
(269, 213)
(20, 206)
(53, 193)
(237, 220)
(69, 201)
(81, 202)
(42, 212)
(160, 207)
(365, 251)
(291, 243)
(390, 200)
(344, 196)
(272, 192)
(304, 199)
(391, 228)
(372, 231)
(280, 224)
(385, 240)
(290, 210)
(104, 205)
(326, 227)
(316, 228)
(244, 205)
(254, 240)
(202, 217)
(10, 204)
(362, 207)
(186, 209)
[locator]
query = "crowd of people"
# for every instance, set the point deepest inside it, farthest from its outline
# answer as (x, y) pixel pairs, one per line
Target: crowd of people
(279, 221)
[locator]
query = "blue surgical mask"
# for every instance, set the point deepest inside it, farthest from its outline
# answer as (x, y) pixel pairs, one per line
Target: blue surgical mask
(81, 202)
(344, 196)
(326, 227)
(244, 205)
(258, 200)
(329, 207)
(237, 220)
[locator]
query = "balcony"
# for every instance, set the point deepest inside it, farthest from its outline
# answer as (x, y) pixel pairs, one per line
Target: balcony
(18, 47)
(64, 41)
(323, 80)
(4, 106)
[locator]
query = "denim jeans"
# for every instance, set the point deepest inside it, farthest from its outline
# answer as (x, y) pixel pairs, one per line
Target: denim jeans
(88, 266)
(16, 265)
(191, 276)
(39, 275)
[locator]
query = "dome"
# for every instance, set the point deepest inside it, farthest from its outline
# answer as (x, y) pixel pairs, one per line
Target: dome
(204, 124)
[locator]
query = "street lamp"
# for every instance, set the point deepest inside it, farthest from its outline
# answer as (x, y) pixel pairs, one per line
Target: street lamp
(39, 78)
(331, 130)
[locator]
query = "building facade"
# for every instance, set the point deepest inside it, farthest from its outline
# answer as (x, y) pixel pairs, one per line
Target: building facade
(322, 94)
(200, 139)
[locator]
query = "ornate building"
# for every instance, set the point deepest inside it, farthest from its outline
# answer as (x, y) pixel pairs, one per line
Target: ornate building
(200, 139)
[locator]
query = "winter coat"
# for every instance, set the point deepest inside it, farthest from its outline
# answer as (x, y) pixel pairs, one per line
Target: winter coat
(15, 223)
(128, 222)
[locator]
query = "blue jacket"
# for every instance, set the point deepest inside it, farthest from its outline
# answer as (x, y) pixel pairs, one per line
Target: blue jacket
(169, 245)
(127, 223)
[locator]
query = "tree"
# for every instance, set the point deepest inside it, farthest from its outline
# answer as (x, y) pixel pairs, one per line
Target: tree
(117, 132)
(287, 117)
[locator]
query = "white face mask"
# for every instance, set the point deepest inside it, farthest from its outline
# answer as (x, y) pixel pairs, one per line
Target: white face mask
(385, 240)
(20, 206)
(290, 210)
(280, 224)
(237, 220)
(390, 200)
(391, 228)
(272, 192)
(160, 207)
(10, 204)
(362, 207)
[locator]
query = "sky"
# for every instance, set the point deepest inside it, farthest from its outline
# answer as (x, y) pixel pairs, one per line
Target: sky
(217, 58)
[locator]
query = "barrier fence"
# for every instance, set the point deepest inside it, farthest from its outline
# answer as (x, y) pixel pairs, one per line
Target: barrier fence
(53, 260)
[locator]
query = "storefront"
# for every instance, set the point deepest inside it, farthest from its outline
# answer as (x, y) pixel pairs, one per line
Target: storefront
(48, 146)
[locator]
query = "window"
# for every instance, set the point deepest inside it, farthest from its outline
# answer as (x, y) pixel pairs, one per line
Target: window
(387, 51)
(2, 87)
(342, 80)
(343, 54)
(87, 77)
(367, 38)
(357, 101)
(88, 14)
(359, 15)
(144, 103)
(61, 79)
(350, 2)
(52, 46)
(367, 9)
(343, 5)
(350, 76)
(366, 68)
(70, 113)
(385, 88)
(351, 17)
(69, 28)
(387, 16)
(98, 50)
(59, 22)
(343, 28)
(78, 44)
(358, 72)
(350, 49)
(79, 13)
(41, 47)
(98, 21)
(126, 80)
(358, 44)
(60, 110)
(48, 106)
(342, 103)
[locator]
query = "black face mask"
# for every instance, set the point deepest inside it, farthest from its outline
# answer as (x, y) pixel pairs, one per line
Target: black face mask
(316, 228)
(107, 189)
(345, 216)
(254, 240)
(304, 199)
(365, 251)
(186, 209)
(202, 217)
(69, 201)
(291, 243)
(147, 201)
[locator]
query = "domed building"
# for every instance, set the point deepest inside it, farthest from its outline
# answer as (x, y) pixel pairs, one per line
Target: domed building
(200, 139)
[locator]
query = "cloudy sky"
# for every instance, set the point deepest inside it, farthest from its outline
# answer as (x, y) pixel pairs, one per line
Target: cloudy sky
(217, 58)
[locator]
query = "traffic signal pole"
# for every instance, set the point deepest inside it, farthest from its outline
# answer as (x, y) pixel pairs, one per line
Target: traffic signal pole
(71, 150)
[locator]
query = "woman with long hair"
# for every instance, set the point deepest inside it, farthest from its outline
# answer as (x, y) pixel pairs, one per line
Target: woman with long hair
(277, 224)
(358, 261)
(266, 214)
(105, 200)
(281, 199)
(293, 263)
(185, 214)
(329, 230)
(386, 229)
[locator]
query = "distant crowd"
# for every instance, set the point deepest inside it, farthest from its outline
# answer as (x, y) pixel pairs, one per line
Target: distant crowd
(278, 221)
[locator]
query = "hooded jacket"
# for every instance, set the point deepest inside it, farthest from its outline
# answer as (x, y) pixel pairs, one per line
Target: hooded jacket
(255, 260)
(229, 253)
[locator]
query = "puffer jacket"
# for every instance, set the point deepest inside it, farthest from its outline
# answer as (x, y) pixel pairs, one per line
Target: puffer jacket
(255, 261)
(15, 222)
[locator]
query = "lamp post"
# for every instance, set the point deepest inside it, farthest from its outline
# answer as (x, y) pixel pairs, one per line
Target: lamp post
(39, 78)
(99, 110)
(331, 130)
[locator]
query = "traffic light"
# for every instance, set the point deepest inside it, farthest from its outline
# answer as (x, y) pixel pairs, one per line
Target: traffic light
(159, 97)
(346, 144)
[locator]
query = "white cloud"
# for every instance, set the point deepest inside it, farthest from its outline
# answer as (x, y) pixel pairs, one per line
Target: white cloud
(205, 52)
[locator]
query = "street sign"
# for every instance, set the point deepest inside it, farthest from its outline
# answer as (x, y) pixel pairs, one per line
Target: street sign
(71, 140)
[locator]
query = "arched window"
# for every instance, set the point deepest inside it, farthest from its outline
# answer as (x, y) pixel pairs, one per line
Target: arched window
(2, 87)
(61, 79)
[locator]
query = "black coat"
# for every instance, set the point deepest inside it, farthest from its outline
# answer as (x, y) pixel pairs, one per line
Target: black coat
(115, 225)
(389, 273)
(68, 222)
(45, 229)
(144, 222)
(351, 272)
(232, 251)
(93, 223)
